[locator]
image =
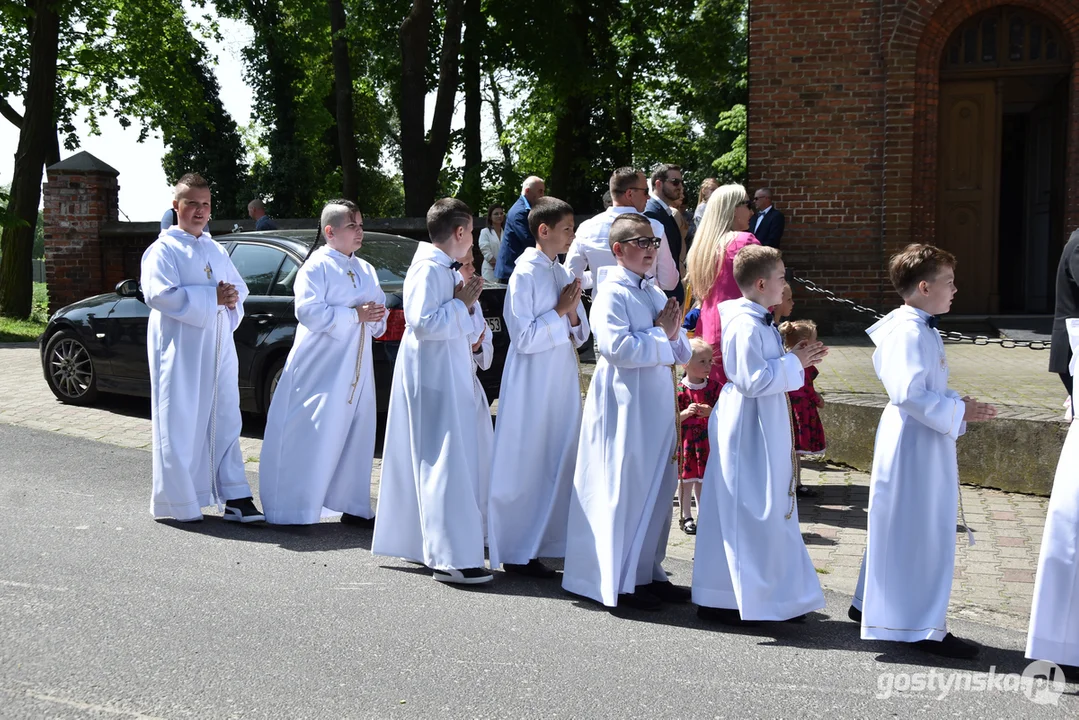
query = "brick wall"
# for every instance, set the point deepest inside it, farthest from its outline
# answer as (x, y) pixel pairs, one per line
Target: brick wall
(842, 126)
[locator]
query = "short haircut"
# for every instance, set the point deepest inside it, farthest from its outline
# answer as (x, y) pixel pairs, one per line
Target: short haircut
(530, 181)
(256, 204)
(915, 263)
(189, 180)
(795, 331)
(445, 216)
(607, 201)
(767, 192)
(699, 345)
(662, 170)
(754, 262)
(547, 211)
(336, 212)
(623, 179)
(629, 225)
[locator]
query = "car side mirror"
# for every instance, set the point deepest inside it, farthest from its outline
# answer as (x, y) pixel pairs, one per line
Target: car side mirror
(127, 288)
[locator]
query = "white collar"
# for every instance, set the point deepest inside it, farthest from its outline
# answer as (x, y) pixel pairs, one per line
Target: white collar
(537, 257)
(692, 385)
(661, 201)
(429, 251)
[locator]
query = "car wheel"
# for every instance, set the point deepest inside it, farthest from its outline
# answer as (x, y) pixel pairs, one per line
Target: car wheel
(69, 369)
(273, 376)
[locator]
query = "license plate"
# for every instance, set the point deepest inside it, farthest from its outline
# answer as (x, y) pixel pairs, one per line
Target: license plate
(495, 324)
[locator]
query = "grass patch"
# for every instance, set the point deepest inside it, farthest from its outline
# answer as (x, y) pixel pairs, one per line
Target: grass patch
(823, 571)
(12, 330)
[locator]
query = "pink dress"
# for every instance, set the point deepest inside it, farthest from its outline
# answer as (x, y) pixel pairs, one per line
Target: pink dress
(724, 288)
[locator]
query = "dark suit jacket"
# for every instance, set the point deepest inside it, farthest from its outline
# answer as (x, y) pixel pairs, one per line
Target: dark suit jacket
(1060, 354)
(771, 230)
(656, 211)
(516, 237)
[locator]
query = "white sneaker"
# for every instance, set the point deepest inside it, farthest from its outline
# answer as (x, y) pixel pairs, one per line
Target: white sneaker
(468, 576)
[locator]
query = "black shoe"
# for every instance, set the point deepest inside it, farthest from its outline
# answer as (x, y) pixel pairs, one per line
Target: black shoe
(949, 647)
(854, 614)
(689, 526)
(242, 510)
(724, 616)
(468, 576)
(667, 592)
(639, 601)
(349, 519)
(805, 492)
(533, 568)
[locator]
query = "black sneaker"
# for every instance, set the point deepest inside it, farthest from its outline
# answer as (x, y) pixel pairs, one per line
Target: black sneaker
(724, 616)
(349, 519)
(533, 568)
(468, 576)
(242, 510)
(639, 601)
(949, 647)
(854, 614)
(667, 592)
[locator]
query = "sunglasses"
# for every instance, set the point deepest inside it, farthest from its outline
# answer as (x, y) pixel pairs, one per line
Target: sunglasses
(675, 181)
(643, 242)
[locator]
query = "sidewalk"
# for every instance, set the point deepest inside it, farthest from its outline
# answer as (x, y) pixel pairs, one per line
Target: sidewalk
(994, 580)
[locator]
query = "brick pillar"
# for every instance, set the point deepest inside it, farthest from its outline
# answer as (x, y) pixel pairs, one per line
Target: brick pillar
(80, 195)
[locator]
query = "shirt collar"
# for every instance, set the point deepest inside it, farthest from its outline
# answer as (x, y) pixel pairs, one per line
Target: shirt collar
(692, 385)
(527, 204)
(537, 257)
(429, 251)
(661, 201)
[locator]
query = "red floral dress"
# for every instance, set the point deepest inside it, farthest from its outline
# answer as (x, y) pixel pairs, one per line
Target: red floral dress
(808, 431)
(695, 429)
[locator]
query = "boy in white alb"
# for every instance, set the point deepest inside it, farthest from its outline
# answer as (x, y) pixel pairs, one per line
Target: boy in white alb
(906, 577)
(540, 400)
(483, 352)
(751, 563)
(427, 507)
(320, 431)
(626, 474)
(196, 302)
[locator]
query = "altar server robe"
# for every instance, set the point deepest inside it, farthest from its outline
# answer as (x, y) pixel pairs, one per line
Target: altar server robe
(427, 508)
(539, 416)
(1054, 616)
(194, 391)
(485, 433)
(320, 432)
(906, 575)
(750, 553)
(625, 474)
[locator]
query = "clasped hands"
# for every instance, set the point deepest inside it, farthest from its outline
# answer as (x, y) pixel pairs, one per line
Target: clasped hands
(371, 312)
(227, 295)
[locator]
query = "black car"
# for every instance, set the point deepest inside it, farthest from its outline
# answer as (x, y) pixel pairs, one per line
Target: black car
(99, 344)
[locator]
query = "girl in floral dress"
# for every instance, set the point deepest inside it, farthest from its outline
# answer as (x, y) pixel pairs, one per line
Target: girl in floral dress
(697, 395)
(805, 401)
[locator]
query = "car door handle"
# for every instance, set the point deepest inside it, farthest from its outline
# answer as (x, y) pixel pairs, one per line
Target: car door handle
(261, 317)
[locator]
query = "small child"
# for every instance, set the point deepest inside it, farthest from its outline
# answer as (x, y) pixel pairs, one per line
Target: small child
(783, 310)
(697, 395)
(906, 577)
(482, 353)
(751, 563)
(808, 430)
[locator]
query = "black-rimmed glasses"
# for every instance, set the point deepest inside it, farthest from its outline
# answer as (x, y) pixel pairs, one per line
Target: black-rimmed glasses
(643, 242)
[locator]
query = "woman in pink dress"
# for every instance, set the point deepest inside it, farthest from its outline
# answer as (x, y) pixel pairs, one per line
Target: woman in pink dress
(721, 234)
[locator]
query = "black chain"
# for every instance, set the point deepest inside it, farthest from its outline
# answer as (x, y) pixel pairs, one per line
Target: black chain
(949, 336)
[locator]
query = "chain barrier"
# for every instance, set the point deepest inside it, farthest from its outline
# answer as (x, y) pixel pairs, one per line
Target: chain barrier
(950, 336)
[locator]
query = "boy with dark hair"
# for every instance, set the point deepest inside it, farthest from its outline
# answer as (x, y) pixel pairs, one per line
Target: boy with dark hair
(906, 575)
(751, 563)
(626, 474)
(427, 506)
(541, 400)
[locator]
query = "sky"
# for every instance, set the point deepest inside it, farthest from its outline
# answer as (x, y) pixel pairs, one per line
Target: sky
(144, 192)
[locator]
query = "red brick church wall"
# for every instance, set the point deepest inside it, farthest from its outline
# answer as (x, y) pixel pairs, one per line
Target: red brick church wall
(842, 126)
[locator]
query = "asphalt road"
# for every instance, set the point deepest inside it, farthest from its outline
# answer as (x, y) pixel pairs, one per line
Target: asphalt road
(105, 613)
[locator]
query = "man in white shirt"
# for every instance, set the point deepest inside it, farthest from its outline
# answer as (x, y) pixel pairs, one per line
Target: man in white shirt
(591, 249)
(768, 223)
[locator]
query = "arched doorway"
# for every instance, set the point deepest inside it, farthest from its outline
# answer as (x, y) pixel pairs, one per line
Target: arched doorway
(1004, 79)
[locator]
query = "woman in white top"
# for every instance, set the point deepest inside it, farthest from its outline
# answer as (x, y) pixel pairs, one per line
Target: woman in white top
(707, 188)
(491, 240)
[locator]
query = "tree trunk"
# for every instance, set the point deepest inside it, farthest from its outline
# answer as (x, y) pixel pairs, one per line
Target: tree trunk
(342, 82)
(421, 157)
(16, 268)
(496, 110)
(472, 183)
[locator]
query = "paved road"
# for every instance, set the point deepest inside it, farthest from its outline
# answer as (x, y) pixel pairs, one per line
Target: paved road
(106, 613)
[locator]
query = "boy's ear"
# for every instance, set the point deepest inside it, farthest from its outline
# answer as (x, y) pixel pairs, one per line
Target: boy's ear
(617, 250)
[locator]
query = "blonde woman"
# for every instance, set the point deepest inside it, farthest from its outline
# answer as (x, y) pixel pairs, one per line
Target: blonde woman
(721, 234)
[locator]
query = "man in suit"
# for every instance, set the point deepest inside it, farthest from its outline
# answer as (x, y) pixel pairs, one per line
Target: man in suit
(1067, 306)
(516, 236)
(768, 223)
(667, 188)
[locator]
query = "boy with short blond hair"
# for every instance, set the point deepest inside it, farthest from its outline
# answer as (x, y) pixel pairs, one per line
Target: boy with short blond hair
(626, 474)
(751, 563)
(540, 400)
(906, 576)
